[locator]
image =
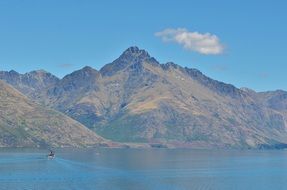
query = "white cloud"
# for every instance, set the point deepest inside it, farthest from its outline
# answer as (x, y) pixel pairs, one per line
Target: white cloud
(194, 41)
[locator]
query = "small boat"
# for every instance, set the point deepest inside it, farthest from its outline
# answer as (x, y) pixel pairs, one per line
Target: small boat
(51, 155)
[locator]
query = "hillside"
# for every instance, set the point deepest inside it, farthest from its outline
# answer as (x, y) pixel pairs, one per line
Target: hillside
(26, 124)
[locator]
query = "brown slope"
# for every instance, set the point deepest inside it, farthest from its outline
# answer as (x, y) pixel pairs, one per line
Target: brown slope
(26, 124)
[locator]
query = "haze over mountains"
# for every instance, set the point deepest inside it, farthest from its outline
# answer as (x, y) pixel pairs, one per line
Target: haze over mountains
(137, 99)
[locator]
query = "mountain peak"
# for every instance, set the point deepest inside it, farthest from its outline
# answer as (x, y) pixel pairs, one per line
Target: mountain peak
(88, 68)
(40, 75)
(132, 55)
(13, 72)
(85, 74)
(135, 52)
(38, 72)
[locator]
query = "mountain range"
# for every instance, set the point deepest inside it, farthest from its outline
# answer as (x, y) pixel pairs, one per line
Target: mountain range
(136, 99)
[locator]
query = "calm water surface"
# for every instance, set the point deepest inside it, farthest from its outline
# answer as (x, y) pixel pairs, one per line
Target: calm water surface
(155, 169)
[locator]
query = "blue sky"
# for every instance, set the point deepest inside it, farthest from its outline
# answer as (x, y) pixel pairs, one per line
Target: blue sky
(61, 36)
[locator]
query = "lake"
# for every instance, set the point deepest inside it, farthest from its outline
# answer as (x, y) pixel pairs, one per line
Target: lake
(142, 169)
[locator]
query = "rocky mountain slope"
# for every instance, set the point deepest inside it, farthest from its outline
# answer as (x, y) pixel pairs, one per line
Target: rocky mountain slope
(29, 83)
(24, 123)
(137, 99)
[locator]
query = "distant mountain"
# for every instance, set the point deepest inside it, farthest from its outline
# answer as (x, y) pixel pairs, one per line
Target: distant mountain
(29, 83)
(276, 100)
(24, 123)
(137, 99)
